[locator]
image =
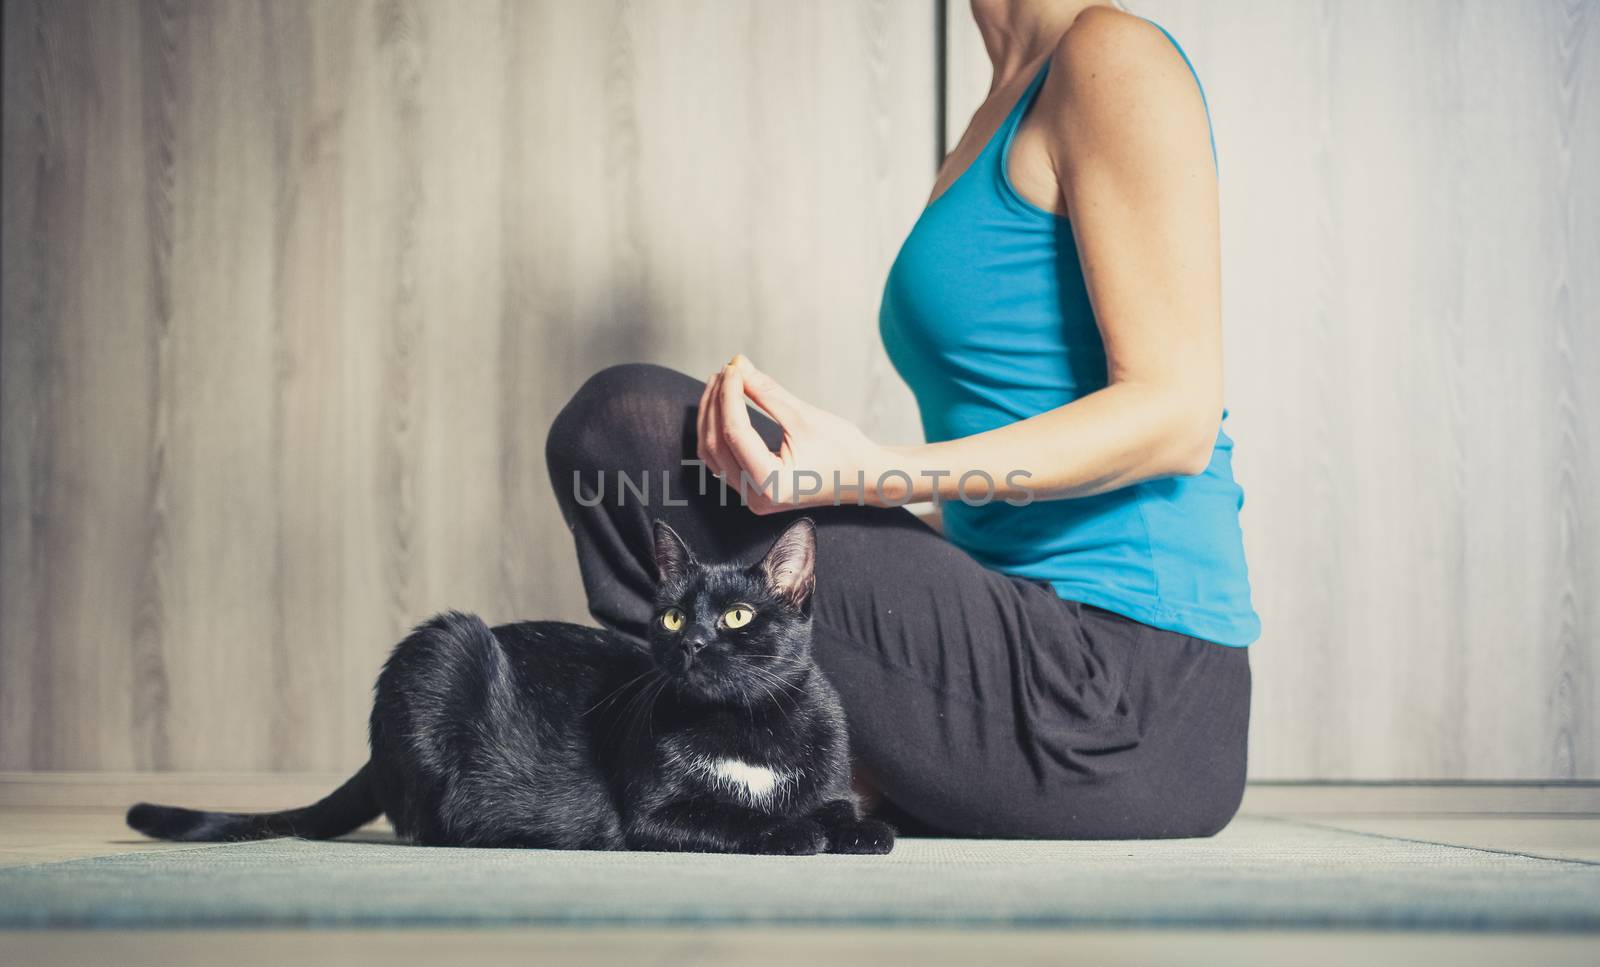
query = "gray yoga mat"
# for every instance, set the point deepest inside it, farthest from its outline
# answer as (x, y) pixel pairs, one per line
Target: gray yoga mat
(1257, 873)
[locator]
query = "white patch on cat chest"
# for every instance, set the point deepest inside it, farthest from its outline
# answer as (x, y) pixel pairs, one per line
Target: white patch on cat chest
(752, 782)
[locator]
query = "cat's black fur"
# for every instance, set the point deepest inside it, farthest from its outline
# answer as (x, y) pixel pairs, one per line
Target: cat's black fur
(544, 734)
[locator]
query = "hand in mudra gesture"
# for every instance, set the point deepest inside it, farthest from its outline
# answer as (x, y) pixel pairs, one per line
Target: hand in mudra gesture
(823, 459)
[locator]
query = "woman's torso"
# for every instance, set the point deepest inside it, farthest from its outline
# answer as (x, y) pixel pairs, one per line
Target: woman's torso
(986, 316)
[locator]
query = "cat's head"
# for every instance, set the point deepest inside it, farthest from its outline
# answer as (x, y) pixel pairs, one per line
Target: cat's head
(730, 632)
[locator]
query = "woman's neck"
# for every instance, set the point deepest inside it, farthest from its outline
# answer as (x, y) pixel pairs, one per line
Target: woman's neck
(1018, 32)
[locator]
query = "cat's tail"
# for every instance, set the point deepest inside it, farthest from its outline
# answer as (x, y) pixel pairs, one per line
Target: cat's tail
(349, 807)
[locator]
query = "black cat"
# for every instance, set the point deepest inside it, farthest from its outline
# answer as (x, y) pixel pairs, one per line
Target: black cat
(723, 737)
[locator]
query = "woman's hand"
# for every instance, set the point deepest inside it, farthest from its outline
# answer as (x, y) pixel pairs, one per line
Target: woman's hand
(823, 460)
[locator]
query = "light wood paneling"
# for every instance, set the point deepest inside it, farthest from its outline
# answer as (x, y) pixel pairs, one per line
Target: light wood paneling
(1411, 221)
(292, 291)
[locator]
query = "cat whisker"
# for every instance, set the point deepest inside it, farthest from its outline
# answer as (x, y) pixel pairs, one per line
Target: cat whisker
(768, 675)
(649, 713)
(778, 697)
(647, 698)
(612, 695)
(768, 683)
(629, 716)
(782, 683)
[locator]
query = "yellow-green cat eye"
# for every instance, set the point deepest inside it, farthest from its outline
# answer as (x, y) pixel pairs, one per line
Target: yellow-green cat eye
(737, 616)
(672, 619)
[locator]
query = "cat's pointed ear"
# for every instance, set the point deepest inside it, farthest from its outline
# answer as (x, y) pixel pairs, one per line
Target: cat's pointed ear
(791, 566)
(673, 559)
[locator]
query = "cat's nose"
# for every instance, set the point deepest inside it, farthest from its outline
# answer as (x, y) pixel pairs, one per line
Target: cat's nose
(695, 641)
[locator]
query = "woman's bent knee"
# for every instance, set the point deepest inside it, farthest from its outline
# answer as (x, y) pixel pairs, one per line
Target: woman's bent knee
(624, 416)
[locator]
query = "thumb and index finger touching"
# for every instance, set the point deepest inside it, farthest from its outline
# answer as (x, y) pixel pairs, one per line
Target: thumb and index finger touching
(729, 442)
(743, 443)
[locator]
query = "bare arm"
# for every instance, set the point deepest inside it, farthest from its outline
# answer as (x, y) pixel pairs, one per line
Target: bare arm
(1127, 135)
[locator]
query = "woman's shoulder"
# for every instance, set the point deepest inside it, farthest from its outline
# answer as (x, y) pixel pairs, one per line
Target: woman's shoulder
(1103, 39)
(1113, 71)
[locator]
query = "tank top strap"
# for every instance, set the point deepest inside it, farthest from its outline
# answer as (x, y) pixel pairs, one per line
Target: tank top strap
(1002, 138)
(999, 147)
(1019, 109)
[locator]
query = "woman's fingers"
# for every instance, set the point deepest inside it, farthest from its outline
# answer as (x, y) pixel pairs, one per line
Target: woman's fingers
(727, 442)
(789, 410)
(706, 423)
(744, 448)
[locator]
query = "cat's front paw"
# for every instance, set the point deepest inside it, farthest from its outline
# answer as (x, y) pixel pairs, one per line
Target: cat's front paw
(796, 837)
(864, 836)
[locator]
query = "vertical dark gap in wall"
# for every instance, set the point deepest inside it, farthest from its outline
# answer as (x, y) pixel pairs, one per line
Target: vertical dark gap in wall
(940, 82)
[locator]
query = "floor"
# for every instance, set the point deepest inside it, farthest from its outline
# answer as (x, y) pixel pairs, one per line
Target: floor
(35, 834)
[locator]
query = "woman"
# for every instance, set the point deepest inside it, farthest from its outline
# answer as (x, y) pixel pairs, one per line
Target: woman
(1068, 659)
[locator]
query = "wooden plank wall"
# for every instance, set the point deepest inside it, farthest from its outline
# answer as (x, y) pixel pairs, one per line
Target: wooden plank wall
(291, 291)
(1411, 222)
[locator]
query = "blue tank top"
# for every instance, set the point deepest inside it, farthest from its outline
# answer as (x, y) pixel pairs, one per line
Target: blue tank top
(987, 318)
